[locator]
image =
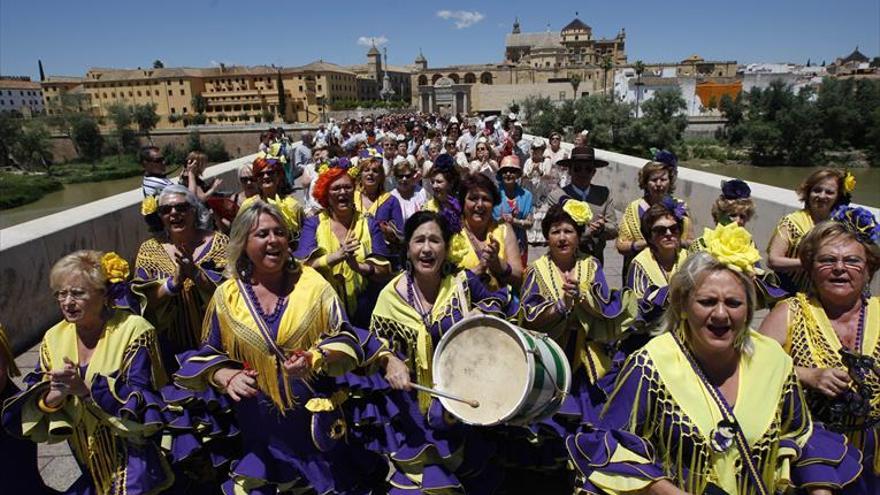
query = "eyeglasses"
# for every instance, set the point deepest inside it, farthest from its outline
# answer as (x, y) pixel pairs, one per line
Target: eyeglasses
(826, 262)
(247, 180)
(75, 294)
(664, 229)
(178, 207)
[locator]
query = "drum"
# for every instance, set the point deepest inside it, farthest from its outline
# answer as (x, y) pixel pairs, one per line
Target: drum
(518, 376)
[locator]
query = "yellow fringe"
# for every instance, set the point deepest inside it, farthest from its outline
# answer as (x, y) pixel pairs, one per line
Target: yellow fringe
(100, 454)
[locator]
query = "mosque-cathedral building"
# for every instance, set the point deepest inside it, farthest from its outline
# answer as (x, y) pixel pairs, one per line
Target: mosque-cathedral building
(535, 64)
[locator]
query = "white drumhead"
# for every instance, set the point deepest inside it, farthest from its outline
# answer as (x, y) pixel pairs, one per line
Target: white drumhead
(486, 362)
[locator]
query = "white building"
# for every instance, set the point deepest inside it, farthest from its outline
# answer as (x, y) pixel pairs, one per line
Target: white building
(20, 94)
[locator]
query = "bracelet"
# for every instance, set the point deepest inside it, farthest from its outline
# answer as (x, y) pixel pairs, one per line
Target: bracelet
(46, 408)
(171, 287)
(226, 385)
(317, 358)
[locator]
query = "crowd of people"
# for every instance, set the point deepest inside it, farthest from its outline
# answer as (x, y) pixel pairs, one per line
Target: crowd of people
(279, 338)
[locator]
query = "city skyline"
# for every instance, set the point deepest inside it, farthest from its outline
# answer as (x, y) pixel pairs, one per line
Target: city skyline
(71, 39)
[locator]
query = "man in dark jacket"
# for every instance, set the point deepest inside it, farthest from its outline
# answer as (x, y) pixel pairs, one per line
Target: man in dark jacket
(582, 167)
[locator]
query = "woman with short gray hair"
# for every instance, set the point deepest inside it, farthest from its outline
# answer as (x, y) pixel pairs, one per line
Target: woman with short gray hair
(178, 269)
(680, 418)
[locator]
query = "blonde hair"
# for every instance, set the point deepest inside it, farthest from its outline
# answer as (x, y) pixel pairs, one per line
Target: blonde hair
(85, 263)
(650, 168)
(686, 281)
(829, 230)
(724, 206)
(236, 257)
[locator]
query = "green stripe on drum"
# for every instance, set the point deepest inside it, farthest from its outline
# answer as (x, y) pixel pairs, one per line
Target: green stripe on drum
(560, 374)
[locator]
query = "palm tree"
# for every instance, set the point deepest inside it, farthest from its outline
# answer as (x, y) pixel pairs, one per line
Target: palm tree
(607, 64)
(575, 80)
(640, 68)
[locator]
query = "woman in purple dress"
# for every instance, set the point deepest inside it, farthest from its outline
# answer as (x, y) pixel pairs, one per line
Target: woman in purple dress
(96, 383)
(566, 296)
(684, 416)
(429, 450)
(274, 334)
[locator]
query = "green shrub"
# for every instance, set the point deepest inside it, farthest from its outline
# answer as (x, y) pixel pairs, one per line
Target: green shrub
(216, 150)
(19, 189)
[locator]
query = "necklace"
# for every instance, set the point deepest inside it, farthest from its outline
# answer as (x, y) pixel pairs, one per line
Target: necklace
(861, 328)
(416, 303)
(270, 319)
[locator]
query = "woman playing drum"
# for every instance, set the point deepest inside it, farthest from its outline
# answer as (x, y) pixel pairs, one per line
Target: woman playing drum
(428, 450)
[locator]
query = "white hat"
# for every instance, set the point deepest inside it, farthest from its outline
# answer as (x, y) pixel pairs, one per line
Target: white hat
(489, 119)
(539, 142)
(511, 116)
(453, 120)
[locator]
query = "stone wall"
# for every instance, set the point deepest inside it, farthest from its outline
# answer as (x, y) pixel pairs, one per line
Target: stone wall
(28, 251)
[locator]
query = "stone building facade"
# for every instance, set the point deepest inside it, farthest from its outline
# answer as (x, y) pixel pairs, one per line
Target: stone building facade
(21, 95)
(535, 64)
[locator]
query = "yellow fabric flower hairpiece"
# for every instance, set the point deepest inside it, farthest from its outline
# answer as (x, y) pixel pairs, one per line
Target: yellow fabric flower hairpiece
(288, 207)
(115, 268)
(149, 205)
(849, 182)
(579, 211)
(732, 245)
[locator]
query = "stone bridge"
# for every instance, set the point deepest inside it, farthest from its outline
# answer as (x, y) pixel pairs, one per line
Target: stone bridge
(28, 251)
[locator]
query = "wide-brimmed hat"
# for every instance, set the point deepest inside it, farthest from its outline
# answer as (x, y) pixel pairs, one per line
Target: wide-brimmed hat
(585, 155)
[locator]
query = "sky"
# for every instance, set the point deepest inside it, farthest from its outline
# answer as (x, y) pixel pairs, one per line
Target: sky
(72, 36)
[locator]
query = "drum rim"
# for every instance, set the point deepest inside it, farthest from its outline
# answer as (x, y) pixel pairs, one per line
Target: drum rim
(470, 321)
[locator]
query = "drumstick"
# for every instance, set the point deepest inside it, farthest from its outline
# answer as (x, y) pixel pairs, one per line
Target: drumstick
(445, 395)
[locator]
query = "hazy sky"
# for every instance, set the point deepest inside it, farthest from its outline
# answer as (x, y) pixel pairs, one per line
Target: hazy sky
(71, 36)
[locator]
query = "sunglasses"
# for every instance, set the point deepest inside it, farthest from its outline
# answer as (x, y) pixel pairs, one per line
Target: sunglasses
(178, 207)
(246, 180)
(664, 229)
(268, 174)
(404, 176)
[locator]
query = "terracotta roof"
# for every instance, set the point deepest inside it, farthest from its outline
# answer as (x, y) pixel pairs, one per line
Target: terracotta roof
(576, 24)
(63, 79)
(322, 66)
(19, 84)
(549, 42)
(527, 39)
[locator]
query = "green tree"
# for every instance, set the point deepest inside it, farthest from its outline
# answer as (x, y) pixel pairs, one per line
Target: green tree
(199, 104)
(121, 117)
(158, 64)
(734, 112)
(282, 97)
(575, 81)
(640, 69)
(31, 149)
(145, 117)
(607, 64)
(65, 111)
(10, 132)
(88, 139)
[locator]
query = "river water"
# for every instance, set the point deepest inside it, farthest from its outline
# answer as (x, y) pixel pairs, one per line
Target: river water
(867, 191)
